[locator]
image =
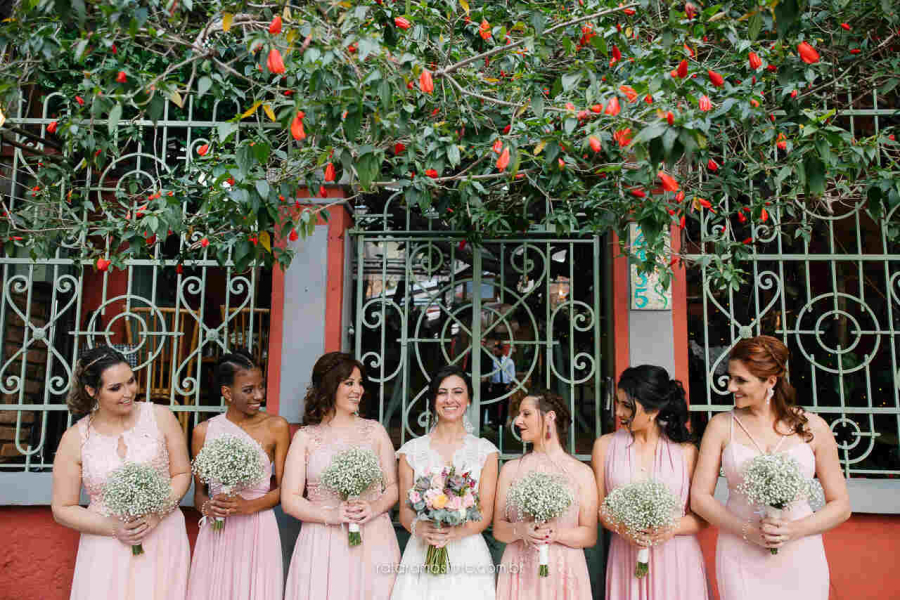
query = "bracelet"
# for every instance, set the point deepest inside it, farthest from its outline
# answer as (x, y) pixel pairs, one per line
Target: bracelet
(744, 529)
(204, 506)
(412, 526)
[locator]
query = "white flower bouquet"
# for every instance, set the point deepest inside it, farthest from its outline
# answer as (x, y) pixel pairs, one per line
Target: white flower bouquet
(351, 473)
(444, 496)
(230, 462)
(773, 482)
(542, 497)
(641, 506)
(134, 490)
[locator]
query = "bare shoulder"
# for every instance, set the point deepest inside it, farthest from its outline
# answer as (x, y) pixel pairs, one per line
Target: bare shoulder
(719, 424)
(70, 443)
(162, 413)
(690, 450)
(201, 428)
(817, 425)
(277, 424)
(300, 437)
(583, 471)
(510, 466)
(602, 442)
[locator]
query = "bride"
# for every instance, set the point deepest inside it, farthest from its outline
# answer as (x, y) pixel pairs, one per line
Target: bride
(471, 573)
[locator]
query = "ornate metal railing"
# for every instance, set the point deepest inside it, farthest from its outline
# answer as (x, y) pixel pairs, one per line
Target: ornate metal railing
(830, 295)
(426, 298)
(170, 321)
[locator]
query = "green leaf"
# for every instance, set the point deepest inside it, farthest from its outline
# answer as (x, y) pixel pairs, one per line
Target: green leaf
(756, 23)
(824, 149)
(787, 14)
(244, 159)
(453, 155)
(889, 86)
(352, 123)
(815, 174)
(79, 49)
(570, 80)
(538, 21)
(262, 188)
(648, 133)
(668, 140)
(570, 125)
(203, 85)
(225, 130)
(114, 116)
(537, 105)
(368, 167)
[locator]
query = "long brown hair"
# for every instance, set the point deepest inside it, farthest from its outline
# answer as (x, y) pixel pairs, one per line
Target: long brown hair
(328, 373)
(547, 401)
(766, 356)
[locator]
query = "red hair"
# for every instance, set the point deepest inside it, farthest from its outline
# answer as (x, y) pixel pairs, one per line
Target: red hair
(765, 356)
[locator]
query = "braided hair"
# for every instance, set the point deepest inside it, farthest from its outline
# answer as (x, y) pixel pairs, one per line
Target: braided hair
(651, 387)
(547, 401)
(327, 374)
(766, 356)
(89, 374)
(230, 365)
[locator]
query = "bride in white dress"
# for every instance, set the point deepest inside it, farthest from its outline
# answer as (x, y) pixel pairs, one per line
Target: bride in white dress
(471, 574)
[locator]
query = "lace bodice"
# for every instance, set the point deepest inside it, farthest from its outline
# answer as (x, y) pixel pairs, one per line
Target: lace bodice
(144, 443)
(324, 442)
(219, 426)
(538, 461)
(470, 456)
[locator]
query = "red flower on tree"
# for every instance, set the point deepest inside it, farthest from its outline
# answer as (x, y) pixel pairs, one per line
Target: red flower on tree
(623, 137)
(712, 165)
(807, 53)
(668, 182)
(426, 84)
(705, 103)
(431, 173)
(755, 61)
(274, 62)
(503, 161)
(401, 22)
(122, 77)
(484, 30)
(716, 79)
(594, 143)
(612, 107)
(297, 130)
(329, 172)
(275, 25)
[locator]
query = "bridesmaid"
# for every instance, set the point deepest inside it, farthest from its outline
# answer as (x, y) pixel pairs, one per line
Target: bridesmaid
(766, 420)
(243, 561)
(119, 430)
(543, 419)
(324, 566)
(652, 442)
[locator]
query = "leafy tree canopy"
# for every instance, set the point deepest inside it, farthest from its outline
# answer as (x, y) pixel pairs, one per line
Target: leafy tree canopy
(576, 115)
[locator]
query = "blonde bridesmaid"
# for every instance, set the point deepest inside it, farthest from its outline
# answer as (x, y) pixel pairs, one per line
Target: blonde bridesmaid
(243, 560)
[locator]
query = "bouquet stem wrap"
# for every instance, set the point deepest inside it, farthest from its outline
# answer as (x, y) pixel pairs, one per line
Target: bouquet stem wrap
(773, 512)
(230, 462)
(353, 534)
(643, 563)
(544, 560)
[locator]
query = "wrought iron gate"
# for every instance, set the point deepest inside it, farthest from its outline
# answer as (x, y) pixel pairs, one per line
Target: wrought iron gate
(425, 299)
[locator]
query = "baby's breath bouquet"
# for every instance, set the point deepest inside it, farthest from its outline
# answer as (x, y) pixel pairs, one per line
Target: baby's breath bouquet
(134, 490)
(774, 482)
(541, 496)
(351, 473)
(640, 506)
(230, 462)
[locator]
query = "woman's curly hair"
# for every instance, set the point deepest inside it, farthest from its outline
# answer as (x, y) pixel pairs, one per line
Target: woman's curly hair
(89, 373)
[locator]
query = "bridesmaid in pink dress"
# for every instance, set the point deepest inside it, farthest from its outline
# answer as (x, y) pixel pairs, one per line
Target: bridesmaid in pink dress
(119, 430)
(652, 442)
(243, 560)
(768, 422)
(543, 419)
(324, 566)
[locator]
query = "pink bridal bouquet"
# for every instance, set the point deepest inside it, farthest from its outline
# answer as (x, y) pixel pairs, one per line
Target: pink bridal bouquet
(444, 498)
(351, 473)
(135, 490)
(642, 506)
(231, 462)
(541, 497)
(774, 482)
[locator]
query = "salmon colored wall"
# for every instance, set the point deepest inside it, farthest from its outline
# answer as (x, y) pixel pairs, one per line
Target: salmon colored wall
(862, 557)
(38, 557)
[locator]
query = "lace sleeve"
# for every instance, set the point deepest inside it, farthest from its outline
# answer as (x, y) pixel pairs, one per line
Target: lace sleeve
(413, 451)
(485, 449)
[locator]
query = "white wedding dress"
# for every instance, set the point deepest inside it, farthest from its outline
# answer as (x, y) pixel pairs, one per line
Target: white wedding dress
(471, 575)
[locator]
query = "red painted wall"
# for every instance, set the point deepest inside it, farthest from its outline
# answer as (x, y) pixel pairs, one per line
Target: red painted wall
(38, 558)
(39, 555)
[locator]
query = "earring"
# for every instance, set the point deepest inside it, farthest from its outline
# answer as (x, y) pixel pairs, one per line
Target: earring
(769, 395)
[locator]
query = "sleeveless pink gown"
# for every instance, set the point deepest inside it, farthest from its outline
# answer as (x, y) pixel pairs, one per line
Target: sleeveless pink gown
(568, 578)
(105, 568)
(243, 560)
(745, 571)
(677, 570)
(324, 566)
